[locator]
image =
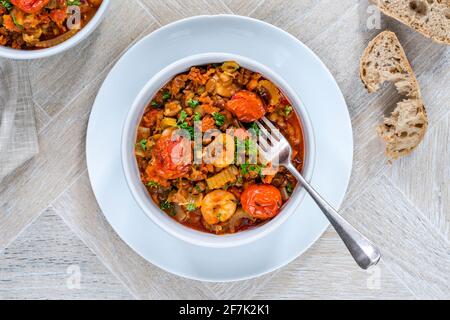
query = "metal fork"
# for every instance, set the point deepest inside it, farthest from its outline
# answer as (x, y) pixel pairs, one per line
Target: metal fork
(273, 144)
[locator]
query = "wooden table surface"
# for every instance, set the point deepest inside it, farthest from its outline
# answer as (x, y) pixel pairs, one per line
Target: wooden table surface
(56, 244)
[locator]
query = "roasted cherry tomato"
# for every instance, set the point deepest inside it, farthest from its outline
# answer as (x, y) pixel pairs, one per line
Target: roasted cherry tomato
(58, 16)
(261, 201)
(169, 157)
(30, 6)
(247, 106)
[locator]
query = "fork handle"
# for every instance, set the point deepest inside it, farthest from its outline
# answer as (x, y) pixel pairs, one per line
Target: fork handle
(362, 250)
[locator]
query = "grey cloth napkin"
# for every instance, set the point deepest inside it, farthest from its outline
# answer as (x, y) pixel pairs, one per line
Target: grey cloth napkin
(18, 136)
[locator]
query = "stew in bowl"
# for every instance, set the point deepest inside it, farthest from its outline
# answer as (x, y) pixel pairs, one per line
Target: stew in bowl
(197, 149)
(41, 24)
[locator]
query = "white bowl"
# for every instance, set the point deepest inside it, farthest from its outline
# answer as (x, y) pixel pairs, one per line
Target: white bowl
(139, 191)
(17, 54)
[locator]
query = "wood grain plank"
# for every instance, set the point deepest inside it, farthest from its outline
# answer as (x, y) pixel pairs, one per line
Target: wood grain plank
(327, 271)
(368, 163)
(57, 80)
(300, 18)
(80, 211)
(241, 289)
(48, 261)
(42, 118)
(26, 193)
(411, 246)
(424, 177)
(171, 10)
(244, 8)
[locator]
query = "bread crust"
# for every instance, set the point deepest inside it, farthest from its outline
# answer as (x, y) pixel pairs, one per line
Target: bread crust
(384, 60)
(414, 22)
(404, 129)
(404, 61)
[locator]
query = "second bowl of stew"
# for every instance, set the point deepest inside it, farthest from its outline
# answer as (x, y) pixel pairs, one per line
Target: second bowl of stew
(31, 29)
(190, 150)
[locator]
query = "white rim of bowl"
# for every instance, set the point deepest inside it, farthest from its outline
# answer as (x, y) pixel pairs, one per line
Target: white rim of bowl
(17, 54)
(211, 240)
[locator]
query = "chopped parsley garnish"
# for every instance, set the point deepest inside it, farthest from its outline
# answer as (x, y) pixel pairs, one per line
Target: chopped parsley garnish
(244, 168)
(193, 103)
(247, 168)
(186, 126)
(239, 143)
(143, 144)
(219, 118)
(182, 124)
(191, 207)
(152, 184)
(166, 95)
(183, 116)
(165, 205)
(255, 128)
(288, 110)
(289, 189)
(155, 104)
(251, 147)
(197, 116)
(6, 4)
(258, 169)
(243, 148)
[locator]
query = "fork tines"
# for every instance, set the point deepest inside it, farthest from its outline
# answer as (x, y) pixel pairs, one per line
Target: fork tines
(271, 141)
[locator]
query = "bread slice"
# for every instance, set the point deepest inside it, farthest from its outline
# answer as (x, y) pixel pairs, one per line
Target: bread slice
(384, 60)
(404, 129)
(429, 17)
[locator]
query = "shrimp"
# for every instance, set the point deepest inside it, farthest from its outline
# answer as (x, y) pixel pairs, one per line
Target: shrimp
(218, 206)
(220, 152)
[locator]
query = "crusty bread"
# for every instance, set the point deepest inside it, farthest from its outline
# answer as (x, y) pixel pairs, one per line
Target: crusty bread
(429, 17)
(404, 129)
(384, 60)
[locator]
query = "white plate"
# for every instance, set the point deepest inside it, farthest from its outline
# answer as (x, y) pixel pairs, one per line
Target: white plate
(262, 42)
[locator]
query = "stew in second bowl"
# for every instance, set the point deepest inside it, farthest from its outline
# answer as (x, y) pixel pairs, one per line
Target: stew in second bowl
(39, 24)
